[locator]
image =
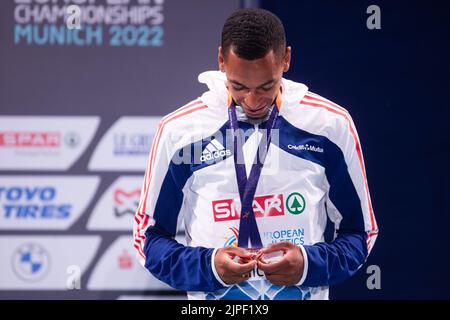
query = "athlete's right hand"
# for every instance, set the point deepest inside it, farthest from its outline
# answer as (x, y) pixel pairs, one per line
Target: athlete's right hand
(230, 271)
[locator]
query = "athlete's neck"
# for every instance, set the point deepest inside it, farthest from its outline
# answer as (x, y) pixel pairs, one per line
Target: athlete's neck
(242, 116)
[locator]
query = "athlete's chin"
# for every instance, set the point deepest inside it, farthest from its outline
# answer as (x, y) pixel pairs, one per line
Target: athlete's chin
(257, 114)
(259, 117)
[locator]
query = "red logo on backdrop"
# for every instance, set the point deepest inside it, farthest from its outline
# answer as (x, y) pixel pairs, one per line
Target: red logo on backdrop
(126, 202)
(125, 260)
(27, 139)
(263, 206)
(121, 196)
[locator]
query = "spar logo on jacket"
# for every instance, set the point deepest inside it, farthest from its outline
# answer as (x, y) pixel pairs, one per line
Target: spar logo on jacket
(263, 206)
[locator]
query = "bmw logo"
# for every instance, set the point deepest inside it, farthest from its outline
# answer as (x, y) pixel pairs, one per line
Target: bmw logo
(31, 262)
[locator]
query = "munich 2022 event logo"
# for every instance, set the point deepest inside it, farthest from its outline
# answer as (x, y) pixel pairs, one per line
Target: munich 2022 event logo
(133, 23)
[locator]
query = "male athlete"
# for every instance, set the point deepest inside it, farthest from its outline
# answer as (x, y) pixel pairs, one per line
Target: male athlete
(255, 166)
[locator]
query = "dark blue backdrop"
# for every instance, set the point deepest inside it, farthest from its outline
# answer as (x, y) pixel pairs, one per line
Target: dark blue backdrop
(394, 82)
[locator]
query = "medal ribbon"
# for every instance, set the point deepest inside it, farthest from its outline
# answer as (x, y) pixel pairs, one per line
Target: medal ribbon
(248, 229)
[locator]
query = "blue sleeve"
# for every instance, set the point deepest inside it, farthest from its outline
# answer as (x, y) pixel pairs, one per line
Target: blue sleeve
(181, 267)
(332, 263)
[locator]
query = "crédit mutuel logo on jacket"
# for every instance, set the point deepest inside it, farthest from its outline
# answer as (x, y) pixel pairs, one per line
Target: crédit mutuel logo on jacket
(306, 147)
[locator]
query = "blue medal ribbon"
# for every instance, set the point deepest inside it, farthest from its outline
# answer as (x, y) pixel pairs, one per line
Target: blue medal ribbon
(248, 229)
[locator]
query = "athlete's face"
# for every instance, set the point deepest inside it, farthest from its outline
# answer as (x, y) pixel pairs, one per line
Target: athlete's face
(254, 84)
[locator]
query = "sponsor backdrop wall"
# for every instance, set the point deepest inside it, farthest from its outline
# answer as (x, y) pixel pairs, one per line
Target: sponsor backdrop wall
(78, 111)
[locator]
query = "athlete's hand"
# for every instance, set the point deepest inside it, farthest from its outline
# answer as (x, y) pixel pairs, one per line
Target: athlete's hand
(288, 270)
(232, 272)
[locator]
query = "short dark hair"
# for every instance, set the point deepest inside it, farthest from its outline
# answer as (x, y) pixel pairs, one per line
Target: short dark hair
(252, 33)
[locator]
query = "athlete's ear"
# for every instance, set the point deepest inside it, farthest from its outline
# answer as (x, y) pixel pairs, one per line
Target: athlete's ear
(221, 60)
(287, 59)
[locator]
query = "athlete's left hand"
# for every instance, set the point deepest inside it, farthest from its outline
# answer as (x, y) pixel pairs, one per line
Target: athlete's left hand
(288, 270)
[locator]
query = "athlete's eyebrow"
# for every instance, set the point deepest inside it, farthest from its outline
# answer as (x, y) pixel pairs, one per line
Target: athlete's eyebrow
(262, 85)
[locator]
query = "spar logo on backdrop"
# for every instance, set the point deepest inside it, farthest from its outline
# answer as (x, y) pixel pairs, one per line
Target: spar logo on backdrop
(41, 262)
(44, 143)
(44, 202)
(263, 206)
(116, 207)
(38, 139)
(30, 139)
(126, 145)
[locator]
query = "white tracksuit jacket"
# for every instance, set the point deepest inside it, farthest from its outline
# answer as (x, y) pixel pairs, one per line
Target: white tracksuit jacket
(314, 169)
